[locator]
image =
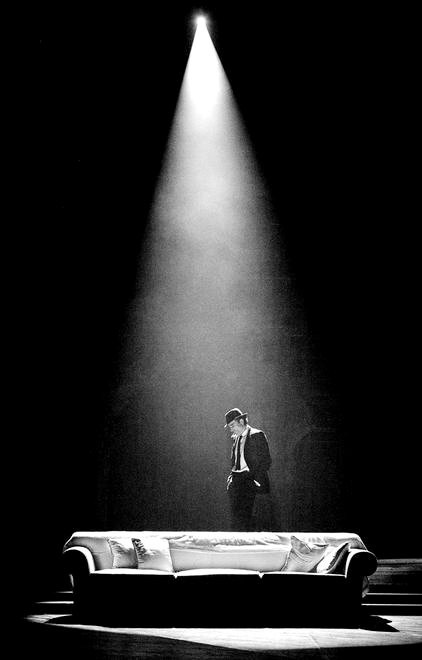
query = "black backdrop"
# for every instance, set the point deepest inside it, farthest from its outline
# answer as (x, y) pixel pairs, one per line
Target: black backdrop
(328, 103)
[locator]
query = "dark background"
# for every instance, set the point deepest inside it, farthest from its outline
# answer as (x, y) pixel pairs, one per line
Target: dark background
(328, 102)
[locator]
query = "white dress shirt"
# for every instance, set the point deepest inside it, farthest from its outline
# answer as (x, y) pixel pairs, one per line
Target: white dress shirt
(242, 440)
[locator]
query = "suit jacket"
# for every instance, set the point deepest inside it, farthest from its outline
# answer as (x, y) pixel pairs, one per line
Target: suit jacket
(257, 457)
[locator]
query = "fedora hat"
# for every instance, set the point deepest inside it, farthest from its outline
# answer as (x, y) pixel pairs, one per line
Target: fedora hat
(234, 414)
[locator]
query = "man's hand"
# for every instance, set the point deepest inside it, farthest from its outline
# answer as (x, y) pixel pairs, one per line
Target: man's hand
(229, 481)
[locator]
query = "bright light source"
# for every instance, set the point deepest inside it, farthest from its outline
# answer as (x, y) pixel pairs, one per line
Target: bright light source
(204, 73)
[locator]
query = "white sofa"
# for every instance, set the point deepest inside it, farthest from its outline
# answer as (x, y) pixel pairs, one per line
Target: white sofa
(200, 578)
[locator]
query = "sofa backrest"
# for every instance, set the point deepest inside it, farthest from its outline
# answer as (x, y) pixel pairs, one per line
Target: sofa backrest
(97, 542)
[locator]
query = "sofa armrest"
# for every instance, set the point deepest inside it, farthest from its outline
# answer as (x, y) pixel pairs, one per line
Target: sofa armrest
(78, 562)
(360, 563)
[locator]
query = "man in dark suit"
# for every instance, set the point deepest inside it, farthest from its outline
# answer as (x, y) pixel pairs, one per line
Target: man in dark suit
(249, 474)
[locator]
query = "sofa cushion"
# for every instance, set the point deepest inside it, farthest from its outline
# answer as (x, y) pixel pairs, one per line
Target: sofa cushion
(253, 558)
(328, 538)
(303, 557)
(123, 553)
(132, 571)
(153, 552)
(211, 539)
(333, 558)
(216, 571)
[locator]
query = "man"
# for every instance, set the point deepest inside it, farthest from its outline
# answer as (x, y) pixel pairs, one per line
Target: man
(250, 463)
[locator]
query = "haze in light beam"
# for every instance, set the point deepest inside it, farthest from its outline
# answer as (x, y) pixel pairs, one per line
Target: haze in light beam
(212, 260)
(210, 184)
(213, 321)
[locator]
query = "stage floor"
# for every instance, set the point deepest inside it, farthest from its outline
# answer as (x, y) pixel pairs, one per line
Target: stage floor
(383, 637)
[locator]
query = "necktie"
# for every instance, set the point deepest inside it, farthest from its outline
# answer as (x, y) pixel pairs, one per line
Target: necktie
(237, 466)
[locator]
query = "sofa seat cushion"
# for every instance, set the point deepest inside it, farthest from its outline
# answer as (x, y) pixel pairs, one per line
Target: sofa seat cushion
(132, 571)
(308, 589)
(303, 597)
(300, 585)
(216, 598)
(253, 558)
(195, 572)
(124, 596)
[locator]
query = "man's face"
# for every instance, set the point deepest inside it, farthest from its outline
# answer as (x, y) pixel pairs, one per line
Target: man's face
(236, 427)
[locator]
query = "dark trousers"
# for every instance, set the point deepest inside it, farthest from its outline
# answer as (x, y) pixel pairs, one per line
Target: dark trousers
(242, 496)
